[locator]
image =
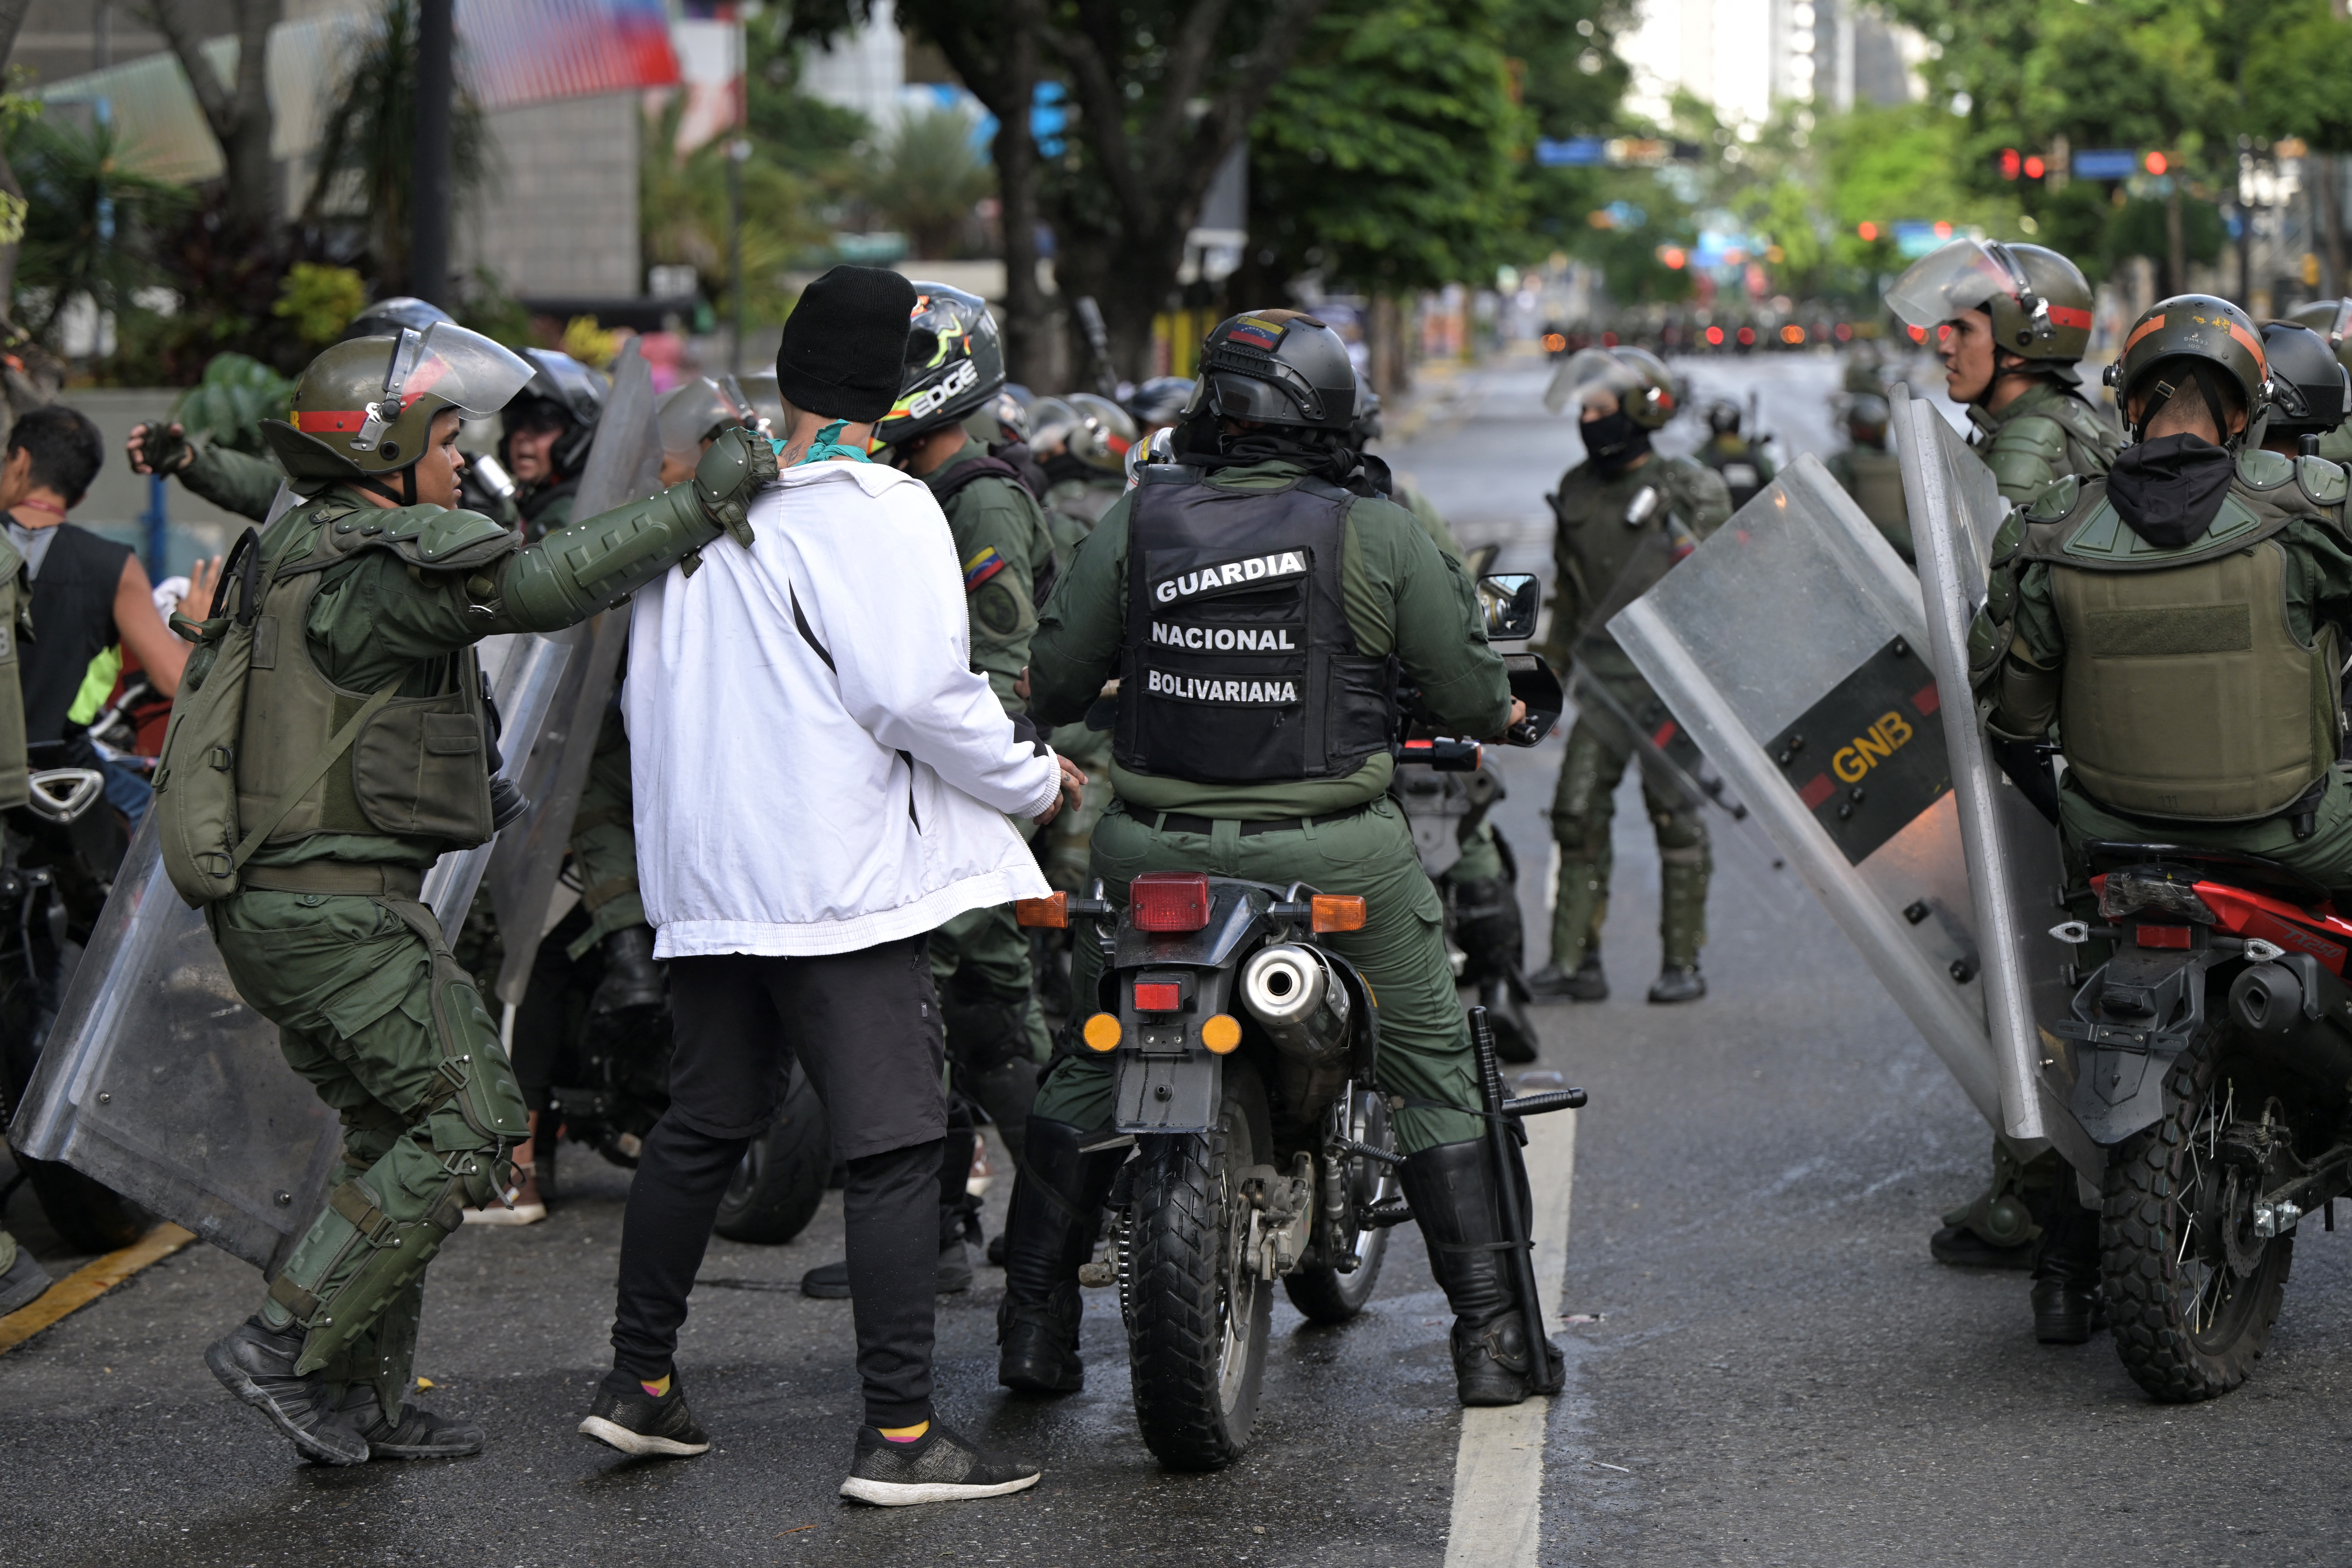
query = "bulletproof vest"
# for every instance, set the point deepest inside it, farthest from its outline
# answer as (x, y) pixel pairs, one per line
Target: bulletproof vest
(1239, 665)
(73, 620)
(2186, 692)
(1740, 463)
(1607, 562)
(418, 770)
(14, 605)
(534, 505)
(1878, 486)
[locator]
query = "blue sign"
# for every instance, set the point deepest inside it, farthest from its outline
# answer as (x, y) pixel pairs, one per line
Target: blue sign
(1576, 153)
(2107, 164)
(1915, 239)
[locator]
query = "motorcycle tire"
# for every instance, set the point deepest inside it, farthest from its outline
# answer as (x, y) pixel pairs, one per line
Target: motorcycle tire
(781, 1183)
(88, 1216)
(1320, 1292)
(1196, 1340)
(2188, 1325)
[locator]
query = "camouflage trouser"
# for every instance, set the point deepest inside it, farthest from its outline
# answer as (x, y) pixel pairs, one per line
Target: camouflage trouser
(372, 1009)
(604, 840)
(1583, 808)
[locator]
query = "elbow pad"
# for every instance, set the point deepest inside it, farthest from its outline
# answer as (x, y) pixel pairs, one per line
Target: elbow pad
(595, 564)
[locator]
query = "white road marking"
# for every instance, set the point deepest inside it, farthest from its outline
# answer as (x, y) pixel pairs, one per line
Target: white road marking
(1498, 1470)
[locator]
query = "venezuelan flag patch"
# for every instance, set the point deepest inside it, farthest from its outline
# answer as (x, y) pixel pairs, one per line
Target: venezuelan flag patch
(981, 567)
(1251, 332)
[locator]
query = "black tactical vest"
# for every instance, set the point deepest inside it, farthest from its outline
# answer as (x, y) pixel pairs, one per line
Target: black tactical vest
(73, 622)
(1239, 665)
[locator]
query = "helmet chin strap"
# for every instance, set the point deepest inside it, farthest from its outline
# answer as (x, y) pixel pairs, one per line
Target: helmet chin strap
(2208, 388)
(407, 492)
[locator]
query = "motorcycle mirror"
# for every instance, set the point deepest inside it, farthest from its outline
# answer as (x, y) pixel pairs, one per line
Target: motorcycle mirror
(1512, 600)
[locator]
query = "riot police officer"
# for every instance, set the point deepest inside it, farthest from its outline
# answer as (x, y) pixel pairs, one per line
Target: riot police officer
(1871, 474)
(1626, 514)
(2010, 321)
(1744, 468)
(1158, 404)
(1274, 790)
(2311, 393)
(358, 759)
(545, 433)
(2100, 588)
(1082, 443)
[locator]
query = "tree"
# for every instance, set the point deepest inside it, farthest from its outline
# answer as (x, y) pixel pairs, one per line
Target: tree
(90, 228)
(238, 109)
(2298, 82)
(682, 217)
(12, 191)
(925, 180)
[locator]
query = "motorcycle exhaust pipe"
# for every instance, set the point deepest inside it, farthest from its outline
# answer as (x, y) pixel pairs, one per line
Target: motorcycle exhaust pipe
(2274, 1004)
(1300, 1002)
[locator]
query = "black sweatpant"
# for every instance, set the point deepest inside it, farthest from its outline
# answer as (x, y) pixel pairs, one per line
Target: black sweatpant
(864, 1027)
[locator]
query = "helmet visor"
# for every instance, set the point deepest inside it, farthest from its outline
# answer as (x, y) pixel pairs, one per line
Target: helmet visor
(465, 370)
(689, 414)
(1961, 277)
(1586, 375)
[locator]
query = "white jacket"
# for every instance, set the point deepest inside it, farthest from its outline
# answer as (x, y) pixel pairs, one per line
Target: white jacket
(817, 766)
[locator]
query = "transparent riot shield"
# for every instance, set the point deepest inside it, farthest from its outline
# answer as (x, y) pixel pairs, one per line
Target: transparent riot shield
(623, 465)
(2012, 849)
(1790, 644)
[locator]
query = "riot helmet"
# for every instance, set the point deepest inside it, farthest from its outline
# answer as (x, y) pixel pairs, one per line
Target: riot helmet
(1159, 401)
(365, 406)
(1002, 419)
(563, 396)
(1103, 434)
(1638, 379)
(1051, 420)
(758, 392)
(1723, 417)
(2039, 302)
(386, 317)
(1867, 417)
(1275, 367)
(2310, 394)
(2193, 338)
(691, 415)
(955, 362)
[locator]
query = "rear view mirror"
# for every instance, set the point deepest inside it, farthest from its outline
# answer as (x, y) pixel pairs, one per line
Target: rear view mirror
(1512, 601)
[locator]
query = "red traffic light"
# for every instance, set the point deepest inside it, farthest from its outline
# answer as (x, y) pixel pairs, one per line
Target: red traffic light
(1866, 231)
(2156, 163)
(2010, 163)
(2034, 168)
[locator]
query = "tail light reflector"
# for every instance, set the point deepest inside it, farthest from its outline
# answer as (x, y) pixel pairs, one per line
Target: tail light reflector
(1052, 912)
(2163, 936)
(1101, 1033)
(1159, 996)
(1169, 901)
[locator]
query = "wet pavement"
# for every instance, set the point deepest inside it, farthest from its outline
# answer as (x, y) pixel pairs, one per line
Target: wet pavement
(1778, 1374)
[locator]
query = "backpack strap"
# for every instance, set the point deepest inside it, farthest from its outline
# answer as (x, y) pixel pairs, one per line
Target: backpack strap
(311, 774)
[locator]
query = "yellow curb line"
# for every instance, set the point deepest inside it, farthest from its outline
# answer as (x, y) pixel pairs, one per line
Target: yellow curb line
(88, 1282)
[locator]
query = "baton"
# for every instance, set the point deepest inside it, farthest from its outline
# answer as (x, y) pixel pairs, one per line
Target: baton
(1504, 1135)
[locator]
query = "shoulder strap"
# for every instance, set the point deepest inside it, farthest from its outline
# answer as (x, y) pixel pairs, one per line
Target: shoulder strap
(312, 772)
(951, 482)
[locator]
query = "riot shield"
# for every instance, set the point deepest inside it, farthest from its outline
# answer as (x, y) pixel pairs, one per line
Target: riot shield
(623, 465)
(1790, 644)
(2011, 851)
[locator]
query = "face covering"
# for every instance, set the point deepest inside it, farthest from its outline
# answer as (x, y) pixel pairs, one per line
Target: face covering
(2169, 489)
(1613, 440)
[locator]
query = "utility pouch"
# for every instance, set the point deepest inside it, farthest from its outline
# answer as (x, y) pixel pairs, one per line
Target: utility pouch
(196, 777)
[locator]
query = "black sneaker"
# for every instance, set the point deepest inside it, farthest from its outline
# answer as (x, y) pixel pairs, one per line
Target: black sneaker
(256, 1363)
(626, 1418)
(419, 1434)
(938, 1467)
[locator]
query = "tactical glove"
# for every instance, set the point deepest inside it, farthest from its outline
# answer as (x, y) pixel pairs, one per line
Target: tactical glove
(165, 450)
(738, 463)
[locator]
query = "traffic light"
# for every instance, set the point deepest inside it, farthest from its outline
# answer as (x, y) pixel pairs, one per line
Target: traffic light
(2011, 163)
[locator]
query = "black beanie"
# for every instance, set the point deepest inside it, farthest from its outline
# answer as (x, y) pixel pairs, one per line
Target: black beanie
(845, 345)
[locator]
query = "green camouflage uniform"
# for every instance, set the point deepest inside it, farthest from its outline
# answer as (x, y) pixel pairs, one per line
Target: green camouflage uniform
(1073, 507)
(1593, 551)
(234, 481)
(2040, 436)
(1481, 860)
(981, 959)
(1402, 596)
(1873, 476)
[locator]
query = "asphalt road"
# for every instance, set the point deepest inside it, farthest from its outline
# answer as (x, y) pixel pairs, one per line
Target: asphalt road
(1776, 1371)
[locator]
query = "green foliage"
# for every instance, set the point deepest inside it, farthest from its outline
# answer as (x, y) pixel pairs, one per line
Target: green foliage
(319, 299)
(682, 217)
(925, 179)
(227, 406)
(91, 227)
(2298, 76)
(1386, 156)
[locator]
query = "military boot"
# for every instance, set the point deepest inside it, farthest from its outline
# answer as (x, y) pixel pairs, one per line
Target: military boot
(2066, 1307)
(633, 977)
(1678, 983)
(1454, 1199)
(1057, 1210)
(256, 1362)
(1682, 920)
(1486, 923)
(1585, 983)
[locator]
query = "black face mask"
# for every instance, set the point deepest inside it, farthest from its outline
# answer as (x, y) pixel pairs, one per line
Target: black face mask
(2169, 489)
(1613, 440)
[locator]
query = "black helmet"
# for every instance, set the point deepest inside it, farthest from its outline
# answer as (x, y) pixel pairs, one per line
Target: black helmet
(1161, 400)
(2194, 337)
(563, 392)
(386, 317)
(1275, 367)
(2310, 394)
(1723, 417)
(954, 364)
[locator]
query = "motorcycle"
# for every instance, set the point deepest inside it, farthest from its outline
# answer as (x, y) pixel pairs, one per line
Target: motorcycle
(2210, 1058)
(1247, 1051)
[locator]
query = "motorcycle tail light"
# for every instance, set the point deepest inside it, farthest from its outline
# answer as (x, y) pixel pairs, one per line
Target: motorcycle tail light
(1169, 901)
(2122, 894)
(1159, 996)
(1338, 911)
(1053, 913)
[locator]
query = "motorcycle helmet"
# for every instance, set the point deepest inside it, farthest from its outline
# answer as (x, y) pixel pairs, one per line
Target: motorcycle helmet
(1103, 434)
(2039, 302)
(955, 362)
(690, 414)
(1275, 367)
(2310, 393)
(1161, 401)
(365, 406)
(386, 317)
(563, 394)
(1644, 390)
(2194, 337)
